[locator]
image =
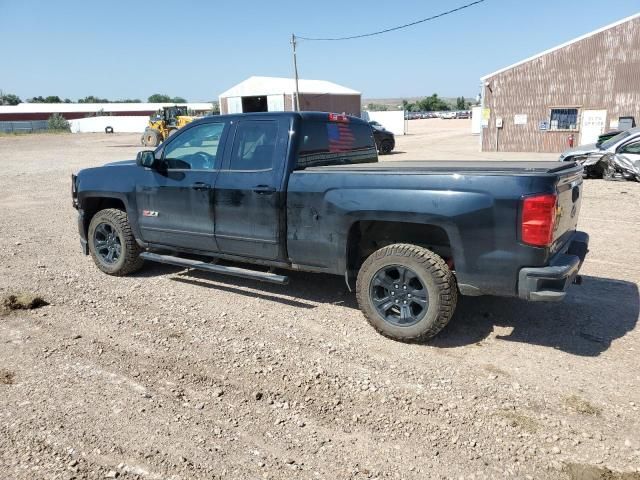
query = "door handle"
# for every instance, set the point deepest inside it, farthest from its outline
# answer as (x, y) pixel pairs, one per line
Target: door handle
(201, 186)
(264, 189)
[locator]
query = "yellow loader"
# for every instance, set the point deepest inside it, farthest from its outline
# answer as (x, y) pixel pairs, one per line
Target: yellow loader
(164, 124)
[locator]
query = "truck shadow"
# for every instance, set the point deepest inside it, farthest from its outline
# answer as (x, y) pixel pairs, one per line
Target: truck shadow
(305, 290)
(585, 323)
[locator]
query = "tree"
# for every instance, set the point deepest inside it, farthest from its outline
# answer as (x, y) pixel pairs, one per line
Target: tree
(461, 103)
(58, 123)
(9, 99)
(162, 98)
(377, 107)
(93, 99)
(432, 104)
(49, 99)
(159, 98)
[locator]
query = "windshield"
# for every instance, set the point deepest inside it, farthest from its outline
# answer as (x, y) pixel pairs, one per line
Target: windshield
(613, 140)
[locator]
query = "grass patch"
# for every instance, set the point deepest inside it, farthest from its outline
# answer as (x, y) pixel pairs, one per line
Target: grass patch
(518, 420)
(22, 301)
(577, 471)
(581, 406)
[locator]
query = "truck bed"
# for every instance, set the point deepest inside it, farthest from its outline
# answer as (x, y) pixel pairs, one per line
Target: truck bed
(461, 166)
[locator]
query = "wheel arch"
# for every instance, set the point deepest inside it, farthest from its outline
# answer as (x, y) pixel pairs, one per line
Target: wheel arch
(367, 236)
(93, 204)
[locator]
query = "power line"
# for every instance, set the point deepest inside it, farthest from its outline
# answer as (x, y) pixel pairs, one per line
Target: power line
(351, 37)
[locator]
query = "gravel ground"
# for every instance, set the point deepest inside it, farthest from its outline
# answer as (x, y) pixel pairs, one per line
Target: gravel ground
(171, 374)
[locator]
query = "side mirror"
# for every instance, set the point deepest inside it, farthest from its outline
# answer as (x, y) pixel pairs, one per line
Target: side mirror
(146, 158)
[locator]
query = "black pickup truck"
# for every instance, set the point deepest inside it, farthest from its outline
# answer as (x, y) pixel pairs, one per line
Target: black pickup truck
(305, 191)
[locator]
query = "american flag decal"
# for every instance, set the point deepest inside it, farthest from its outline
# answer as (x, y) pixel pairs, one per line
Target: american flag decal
(340, 137)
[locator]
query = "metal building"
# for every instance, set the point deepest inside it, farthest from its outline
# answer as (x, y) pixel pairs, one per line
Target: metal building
(568, 94)
(275, 94)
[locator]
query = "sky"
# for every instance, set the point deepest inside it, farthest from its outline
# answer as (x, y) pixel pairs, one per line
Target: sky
(196, 49)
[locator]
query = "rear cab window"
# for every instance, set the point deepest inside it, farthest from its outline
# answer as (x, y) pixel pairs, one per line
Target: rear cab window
(335, 142)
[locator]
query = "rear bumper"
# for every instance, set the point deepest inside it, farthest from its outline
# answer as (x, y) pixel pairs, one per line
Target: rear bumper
(549, 284)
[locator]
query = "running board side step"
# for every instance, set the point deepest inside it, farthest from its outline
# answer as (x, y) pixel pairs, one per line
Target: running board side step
(213, 268)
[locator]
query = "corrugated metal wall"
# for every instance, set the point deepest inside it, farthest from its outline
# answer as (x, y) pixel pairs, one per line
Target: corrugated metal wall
(598, 72)
(24, 127)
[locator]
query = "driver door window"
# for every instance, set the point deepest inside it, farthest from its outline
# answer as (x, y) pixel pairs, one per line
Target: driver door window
(631, 148)
(195, 148)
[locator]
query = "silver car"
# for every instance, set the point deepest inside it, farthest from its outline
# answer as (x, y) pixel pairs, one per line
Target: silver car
(591, 156)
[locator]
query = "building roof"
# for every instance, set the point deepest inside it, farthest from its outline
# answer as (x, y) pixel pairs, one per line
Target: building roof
(566, 44)
(94, 107)
(253, 86)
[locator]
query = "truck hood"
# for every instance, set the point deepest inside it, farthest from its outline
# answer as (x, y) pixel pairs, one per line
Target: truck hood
(121, 163)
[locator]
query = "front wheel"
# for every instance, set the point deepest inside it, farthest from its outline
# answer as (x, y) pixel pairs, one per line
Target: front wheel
(111, 243)
(406, 292)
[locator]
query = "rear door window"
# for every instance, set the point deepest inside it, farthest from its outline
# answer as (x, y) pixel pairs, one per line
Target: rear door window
(254, 145)
(335, 143)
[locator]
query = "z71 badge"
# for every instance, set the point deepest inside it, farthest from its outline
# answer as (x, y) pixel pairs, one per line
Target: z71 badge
(149, 213)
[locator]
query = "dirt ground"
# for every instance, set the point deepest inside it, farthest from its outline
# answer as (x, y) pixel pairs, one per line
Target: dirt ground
(170, 374)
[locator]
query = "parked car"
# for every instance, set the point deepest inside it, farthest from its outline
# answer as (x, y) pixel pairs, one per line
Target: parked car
(385, 140)
(448, 115)
(304, 191)
(590, 156)
(464, 114)
(624, 163)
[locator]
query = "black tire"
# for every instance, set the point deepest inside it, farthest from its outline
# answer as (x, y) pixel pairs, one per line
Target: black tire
(108, 129)
(385, 147)
(151, 138)
(120, 239)
(430, 271)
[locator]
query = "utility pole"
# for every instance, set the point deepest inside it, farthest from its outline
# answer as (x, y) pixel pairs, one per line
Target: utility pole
(296, 105)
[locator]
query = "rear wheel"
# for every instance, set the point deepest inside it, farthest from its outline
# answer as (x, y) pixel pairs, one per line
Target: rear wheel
(111, 243)
(406, 292)
(385, 147)
(151, 138)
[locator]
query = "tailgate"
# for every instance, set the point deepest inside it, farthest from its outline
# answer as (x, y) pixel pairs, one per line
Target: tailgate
(569, 191)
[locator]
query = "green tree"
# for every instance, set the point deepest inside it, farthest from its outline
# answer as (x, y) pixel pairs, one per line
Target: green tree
(9, 99)
(58, 123)
(432, 104)
(377, 107)
(461, 103)
(162, 98)
(93, 99)
(159, 98)
(49, 99)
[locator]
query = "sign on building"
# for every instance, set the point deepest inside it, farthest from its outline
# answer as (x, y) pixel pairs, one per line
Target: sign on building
(520, 119)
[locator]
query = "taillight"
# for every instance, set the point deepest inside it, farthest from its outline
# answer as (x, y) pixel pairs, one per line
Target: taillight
(538, 219)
